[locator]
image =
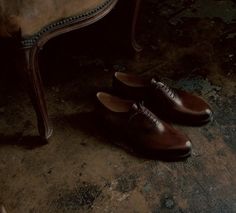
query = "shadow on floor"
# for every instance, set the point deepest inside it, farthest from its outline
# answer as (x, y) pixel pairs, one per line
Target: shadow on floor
(90, 124)
(27, 142)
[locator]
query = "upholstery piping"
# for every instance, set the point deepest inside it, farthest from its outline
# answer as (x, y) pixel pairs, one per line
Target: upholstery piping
(30, 41)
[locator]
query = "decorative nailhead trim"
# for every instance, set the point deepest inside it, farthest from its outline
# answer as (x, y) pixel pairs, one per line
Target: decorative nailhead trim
(29, 42)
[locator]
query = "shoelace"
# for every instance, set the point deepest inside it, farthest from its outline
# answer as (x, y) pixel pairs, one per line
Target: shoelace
(164, 87)
(141, 109)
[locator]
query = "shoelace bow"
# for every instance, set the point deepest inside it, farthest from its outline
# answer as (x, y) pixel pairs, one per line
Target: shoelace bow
(141, 109)
(163, 86)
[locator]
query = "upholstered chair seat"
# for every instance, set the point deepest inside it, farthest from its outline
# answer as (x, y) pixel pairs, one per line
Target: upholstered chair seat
(33, 22)
(33, 18)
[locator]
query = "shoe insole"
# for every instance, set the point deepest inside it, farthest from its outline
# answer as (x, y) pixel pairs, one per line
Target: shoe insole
(131, 80)
(114, 103)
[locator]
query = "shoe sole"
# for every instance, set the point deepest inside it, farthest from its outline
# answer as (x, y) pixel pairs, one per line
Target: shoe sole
(193, 123)
(157, 155)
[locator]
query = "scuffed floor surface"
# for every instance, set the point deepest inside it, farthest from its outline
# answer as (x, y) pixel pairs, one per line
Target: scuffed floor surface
(190, 45)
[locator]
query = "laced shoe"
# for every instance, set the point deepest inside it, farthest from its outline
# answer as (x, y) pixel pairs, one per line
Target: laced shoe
(142, 130)
(171, 104)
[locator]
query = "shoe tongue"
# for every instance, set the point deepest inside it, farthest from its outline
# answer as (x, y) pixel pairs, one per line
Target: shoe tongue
(154, 82)
(137, 106)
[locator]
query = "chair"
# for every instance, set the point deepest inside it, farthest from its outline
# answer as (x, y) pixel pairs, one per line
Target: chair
(34, 22)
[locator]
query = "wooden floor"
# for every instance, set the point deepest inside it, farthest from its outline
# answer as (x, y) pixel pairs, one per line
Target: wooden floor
(81, 170)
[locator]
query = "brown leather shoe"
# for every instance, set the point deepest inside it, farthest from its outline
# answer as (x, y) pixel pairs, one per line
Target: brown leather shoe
(168, 103)
(144, 132)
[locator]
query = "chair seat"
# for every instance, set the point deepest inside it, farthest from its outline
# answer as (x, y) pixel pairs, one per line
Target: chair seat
(31, 16)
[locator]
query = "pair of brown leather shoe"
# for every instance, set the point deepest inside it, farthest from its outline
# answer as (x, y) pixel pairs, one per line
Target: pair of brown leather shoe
(141, 125)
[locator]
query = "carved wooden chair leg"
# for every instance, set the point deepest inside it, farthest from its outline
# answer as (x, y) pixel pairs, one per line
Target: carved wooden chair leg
(127, 24)
(135, 13)
(36, 91)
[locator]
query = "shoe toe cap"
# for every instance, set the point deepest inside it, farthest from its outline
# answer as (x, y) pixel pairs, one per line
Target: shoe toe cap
(188, 144)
